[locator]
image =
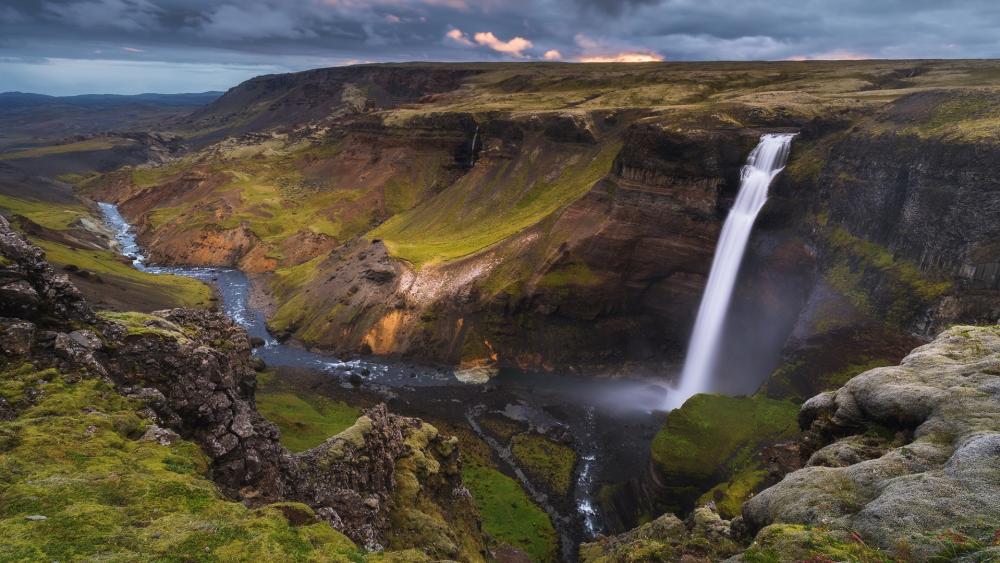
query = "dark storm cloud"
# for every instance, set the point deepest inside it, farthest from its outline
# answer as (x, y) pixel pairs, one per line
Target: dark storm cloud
(172, 45)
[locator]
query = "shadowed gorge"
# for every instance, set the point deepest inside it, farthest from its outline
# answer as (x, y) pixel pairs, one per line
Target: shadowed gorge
(508, 312)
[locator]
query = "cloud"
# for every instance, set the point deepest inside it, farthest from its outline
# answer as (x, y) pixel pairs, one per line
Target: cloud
(132, 50)
(9, 15)
(515, 47)
(253, 21)
(615, 7)
(552, 55)
(458, 36)
(289, 35)
(131, 15)
(627, 57)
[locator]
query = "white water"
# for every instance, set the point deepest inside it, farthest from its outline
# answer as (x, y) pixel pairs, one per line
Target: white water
(765, 162)
(472, 151)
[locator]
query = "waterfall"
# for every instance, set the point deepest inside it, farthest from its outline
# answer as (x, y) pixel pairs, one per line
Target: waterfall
(472, 151)
(763, 165)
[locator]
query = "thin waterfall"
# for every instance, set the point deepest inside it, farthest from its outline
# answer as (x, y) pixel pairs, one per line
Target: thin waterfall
(765, 162)
(472, 151)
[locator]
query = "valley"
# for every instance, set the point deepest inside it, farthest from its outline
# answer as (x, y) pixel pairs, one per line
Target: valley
(515, 253)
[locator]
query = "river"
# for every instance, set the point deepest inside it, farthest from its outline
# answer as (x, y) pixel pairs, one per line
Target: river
(612, 421)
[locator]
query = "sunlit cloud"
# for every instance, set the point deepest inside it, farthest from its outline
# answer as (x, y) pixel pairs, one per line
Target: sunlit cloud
(132, 50)
(552, 55)
(515, 47)
(634, 57)
(458, 36)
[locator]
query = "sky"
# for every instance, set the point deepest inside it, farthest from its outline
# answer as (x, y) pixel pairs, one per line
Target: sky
(63, 47)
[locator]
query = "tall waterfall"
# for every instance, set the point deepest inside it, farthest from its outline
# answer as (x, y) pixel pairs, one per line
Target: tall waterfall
(764, 164)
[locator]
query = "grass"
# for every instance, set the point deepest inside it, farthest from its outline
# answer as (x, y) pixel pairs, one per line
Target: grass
(508, 513)
(183, 291)
(305, 421)
(48, 215)
(74, 457)
(79, 146)
(178, 290)
(485, 208)
(546, 460)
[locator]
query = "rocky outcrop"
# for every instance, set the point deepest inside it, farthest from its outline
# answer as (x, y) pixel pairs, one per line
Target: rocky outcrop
(908, 453)
(30, 288)
(902, 462)
(192, 374)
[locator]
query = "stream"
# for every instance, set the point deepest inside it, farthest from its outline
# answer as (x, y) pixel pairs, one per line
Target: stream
(612, 421)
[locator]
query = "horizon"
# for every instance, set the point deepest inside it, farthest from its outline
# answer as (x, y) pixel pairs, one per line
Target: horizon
(70, 47)
(224, 89)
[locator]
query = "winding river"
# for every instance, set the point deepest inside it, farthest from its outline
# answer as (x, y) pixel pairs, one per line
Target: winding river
(612, 421)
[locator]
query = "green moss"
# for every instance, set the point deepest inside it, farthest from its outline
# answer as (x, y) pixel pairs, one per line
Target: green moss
(550, 462)
(574, 275)
(730, 495)
(477, 212)
(46, 214)
(146, 324)
(305, 421)
(108, 496)
(709, 430)
(184, 291)
(855, 260)
(711, 440)
(794, 542)
(508, 513)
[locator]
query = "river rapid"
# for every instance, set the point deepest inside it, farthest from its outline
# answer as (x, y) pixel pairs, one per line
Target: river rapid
(612, 422)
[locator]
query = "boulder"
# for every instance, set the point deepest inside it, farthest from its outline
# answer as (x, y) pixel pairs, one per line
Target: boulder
(917, 453)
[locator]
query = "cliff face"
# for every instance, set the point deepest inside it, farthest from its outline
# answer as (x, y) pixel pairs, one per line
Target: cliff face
(538, 217)
(616, 270)
(901, 462)
(189, 374)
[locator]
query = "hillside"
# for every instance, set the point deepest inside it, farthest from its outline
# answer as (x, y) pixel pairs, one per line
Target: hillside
(444, 212)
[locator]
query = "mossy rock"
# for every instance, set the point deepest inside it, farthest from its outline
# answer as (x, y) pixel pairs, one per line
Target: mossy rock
(107, 495)
(550, 462)
(710, 439)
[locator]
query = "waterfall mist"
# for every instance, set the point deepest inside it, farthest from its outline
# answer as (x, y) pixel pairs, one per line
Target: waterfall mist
(764, 163)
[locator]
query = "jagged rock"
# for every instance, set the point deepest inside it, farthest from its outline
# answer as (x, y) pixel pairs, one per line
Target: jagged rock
(898, 496)
(29, 287)
(704, 537)
(78, 349)
(162, 436)
(16, 336)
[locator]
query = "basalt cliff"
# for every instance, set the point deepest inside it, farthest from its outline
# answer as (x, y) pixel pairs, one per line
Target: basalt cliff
(489, 216)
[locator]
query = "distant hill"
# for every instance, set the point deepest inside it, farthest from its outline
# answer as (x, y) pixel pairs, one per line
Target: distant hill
(13, 100)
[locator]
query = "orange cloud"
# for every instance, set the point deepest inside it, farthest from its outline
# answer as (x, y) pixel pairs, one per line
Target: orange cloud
(515, 47)
(552, 55)
(626, 57)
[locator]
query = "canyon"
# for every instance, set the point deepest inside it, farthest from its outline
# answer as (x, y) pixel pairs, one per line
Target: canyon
(526, 231)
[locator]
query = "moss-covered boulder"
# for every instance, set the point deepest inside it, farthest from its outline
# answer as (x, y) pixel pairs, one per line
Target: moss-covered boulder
(712, 439)
(940, 479)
